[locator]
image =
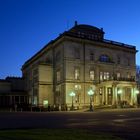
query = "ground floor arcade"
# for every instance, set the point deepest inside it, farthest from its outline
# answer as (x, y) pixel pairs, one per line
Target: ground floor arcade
(82, 95)
(116, 93)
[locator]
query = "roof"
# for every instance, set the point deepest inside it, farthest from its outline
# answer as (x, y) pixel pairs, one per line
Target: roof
(83, 31)
(86, 28)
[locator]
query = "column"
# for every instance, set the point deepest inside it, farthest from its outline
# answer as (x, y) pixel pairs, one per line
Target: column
(135, 97)
(114, 90)
(132, 96)
(106, 95)
(11, 100)
(103, 96)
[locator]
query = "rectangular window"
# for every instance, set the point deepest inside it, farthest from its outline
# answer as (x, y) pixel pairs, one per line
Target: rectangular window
(100, 91)
(118, 60)
(101, 76)
(16, 99)
(106, 75)
(128, 75)
(58, 76)
(35, 71)
(77, 53)
(21, 99)
(91, 56)
(35, 79)
(118, 75)
(128, 61)
(77, 74)
(58, 56)
(92, 76)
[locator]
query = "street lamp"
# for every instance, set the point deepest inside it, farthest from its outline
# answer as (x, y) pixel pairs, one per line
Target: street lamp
(136, 91)
(90, 93)
(72, 94)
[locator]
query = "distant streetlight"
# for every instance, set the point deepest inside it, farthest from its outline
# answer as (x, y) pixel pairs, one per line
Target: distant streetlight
(136, 91)
(72, 94)
(90, 93)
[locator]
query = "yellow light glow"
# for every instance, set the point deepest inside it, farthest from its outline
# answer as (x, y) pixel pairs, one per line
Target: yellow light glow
(119, 91)
(45, 103)
(137, 91)
(90, 92)
(72, 94)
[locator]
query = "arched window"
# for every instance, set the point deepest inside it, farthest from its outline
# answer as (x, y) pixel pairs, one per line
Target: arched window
(104, 58)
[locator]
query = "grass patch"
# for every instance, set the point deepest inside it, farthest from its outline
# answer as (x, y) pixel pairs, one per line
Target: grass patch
(54, 134)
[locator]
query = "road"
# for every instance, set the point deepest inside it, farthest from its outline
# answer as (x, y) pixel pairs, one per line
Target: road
(124, 123)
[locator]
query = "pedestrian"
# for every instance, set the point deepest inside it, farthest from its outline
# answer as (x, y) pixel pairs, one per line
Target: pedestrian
(49, 108)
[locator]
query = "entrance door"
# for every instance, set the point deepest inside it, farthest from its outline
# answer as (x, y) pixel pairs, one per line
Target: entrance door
(109, 95)
(127, 96)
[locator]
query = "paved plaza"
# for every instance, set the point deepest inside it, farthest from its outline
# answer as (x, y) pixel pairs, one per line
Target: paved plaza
(122, 122)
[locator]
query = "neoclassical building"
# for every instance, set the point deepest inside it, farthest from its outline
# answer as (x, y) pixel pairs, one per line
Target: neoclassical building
(78, 61)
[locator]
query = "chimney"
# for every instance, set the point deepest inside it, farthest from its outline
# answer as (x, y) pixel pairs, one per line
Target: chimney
(76, 23)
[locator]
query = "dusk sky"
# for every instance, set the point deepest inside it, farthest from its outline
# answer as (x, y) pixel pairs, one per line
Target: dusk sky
(27, 25)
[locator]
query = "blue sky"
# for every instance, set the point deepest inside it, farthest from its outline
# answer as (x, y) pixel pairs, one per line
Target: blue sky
(27, 25)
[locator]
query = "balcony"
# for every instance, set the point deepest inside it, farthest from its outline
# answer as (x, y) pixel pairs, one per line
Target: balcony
(131, 79)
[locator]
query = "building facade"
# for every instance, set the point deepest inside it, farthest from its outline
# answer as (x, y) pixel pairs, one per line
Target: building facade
(12, 92)
(78, 61)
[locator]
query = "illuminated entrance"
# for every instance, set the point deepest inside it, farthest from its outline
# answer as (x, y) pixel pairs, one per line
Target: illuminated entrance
(117, 93)
(109, 95)
(127, 95)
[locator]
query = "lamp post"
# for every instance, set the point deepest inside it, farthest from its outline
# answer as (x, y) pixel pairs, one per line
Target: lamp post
(90, 93)
(72, 94)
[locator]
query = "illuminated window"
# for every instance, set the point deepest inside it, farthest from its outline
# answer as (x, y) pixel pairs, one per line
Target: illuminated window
(35, 100)
(101, 76)
(92, 76)
(45, 103)
(77, 74)
(106, 75)
(77, 87)
(100, 91)
(118, 75)
(128, 75)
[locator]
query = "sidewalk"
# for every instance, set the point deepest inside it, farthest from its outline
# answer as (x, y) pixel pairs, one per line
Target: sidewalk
(102, 109)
